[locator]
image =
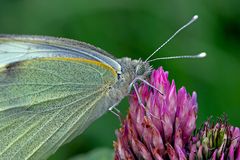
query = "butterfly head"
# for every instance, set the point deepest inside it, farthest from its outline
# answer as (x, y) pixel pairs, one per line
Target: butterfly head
(142, 69)
(132, 69)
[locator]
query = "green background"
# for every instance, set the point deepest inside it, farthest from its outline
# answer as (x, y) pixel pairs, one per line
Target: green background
(135, 28)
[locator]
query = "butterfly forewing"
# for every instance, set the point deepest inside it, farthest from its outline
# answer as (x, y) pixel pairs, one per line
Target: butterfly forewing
(46, 101)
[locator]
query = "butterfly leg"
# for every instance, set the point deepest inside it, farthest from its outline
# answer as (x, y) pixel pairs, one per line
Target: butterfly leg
(144, 81)
(115, 111)
(140, 101)
(132, 84)
(114, 107)
(147, 83)
(138, 96)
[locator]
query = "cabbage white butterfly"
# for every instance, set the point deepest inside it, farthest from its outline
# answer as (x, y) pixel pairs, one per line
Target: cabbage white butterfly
(51, 89)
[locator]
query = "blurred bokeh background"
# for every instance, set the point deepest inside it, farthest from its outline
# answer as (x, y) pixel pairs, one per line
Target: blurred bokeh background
(135, 28)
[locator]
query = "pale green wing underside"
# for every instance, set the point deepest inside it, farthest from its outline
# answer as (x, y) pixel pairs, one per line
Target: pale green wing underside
(48, 101)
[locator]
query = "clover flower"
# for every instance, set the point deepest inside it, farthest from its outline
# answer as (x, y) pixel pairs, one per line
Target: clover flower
(161, 129)
(219, 141)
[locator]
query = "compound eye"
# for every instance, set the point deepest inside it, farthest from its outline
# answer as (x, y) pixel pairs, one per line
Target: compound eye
(119, 75)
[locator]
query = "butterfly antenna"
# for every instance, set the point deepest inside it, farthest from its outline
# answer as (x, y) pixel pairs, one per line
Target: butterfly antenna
(200, 55)
(180, 29)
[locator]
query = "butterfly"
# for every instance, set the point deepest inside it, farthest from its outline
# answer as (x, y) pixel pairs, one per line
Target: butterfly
(52, 89)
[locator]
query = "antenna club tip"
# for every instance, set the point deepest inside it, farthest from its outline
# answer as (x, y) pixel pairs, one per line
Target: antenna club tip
(202, 55)
(195, 17)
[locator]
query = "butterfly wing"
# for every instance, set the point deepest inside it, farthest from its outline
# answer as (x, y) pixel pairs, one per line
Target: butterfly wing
(47, 101)
(29, 47)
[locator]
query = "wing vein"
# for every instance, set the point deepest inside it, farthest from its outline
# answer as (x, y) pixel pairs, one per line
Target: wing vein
(28, 111)
(40, 69)
(46, 89)
(46, 84)
(50, 121)
(23, 95)
(10, 144)
(79, 116)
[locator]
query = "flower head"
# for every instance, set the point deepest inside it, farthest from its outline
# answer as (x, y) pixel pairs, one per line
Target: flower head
(162, 128)
(219, 141)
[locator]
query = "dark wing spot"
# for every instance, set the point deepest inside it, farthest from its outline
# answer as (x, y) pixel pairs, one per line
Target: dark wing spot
(9, 69)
